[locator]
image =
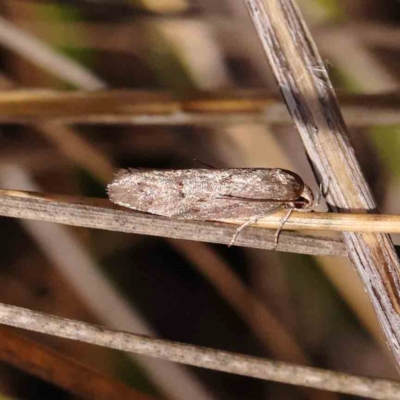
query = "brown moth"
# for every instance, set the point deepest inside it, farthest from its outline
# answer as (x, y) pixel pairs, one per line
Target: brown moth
(210, 194)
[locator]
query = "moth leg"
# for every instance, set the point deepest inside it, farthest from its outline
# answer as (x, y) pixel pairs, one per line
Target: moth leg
(279, 230)
(252, 220)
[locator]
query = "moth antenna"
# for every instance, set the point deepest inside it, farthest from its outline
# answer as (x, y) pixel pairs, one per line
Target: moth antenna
(230, 197)
(203, 163)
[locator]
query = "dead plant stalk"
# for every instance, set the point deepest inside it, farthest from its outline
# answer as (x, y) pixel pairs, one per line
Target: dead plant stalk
(310, 98)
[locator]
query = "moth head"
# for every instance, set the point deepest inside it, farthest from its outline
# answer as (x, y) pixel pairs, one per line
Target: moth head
(305, 202)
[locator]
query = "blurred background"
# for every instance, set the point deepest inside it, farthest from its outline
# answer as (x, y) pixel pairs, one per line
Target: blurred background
(285, 307)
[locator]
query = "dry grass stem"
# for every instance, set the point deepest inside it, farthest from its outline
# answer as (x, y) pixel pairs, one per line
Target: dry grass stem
(382, 223)
(12, 200)
(155, 108)
(199, 356)
(308, 93)
(102, 214)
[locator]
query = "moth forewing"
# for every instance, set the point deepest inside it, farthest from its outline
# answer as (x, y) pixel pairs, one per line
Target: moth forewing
(209, 194)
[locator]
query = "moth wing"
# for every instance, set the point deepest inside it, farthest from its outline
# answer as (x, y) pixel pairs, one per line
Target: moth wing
(199, 194)
(219, 208)
(263, 183)
(152, 191)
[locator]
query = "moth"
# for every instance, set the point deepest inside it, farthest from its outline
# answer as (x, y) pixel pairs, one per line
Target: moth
(211, 194)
